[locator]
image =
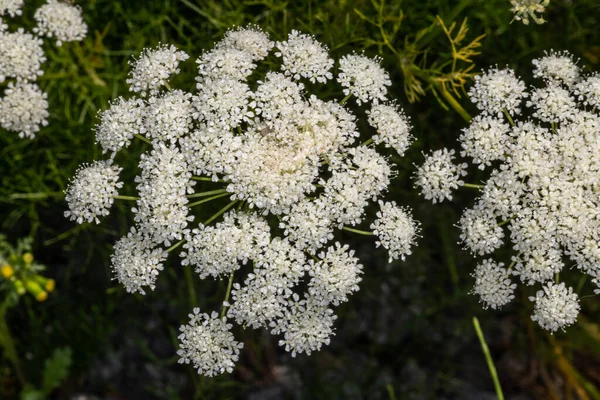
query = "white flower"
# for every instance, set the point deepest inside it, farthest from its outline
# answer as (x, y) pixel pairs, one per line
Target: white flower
(485, 140)
(396, 229)
(364, 78)
(303, 56)
(438, 176)
(223, 103)
(309, 224)
(60, 20)
(480, 232)
(136, 263)
(493, 284)
(120, 123)
(556, 307)
(336, 275)
(498, 90)
(207, 342)
(154, 68)
(393, 127)
(539, 265)
(23, 109)
(91, 193)
(307, 326)
(161, 212)
(557, 67)
(251, 40)
(225, 62)
(525, 9)
(169, 117)
(588, 90)
(552, 104)
(218, 250)
(11, 7)
(21, 56)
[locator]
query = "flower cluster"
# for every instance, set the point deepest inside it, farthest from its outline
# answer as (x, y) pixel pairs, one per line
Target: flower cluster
(542, 193)
(24, 106)
(291, 166)
(525, 9)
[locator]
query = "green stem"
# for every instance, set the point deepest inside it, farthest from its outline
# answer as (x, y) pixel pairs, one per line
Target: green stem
(209, 199)
(345, 99)
(142, 138)
(36, 195)
(367, 142)
(8, 344)
(176, 245)
(204, 179)
(204, 194)
(221, 211)
(454, 104)
(473, 186)
(129, 198)
(229, 284)
(506, 221)
(187, 271)
(488, 358)
(508, 117)
(366, 233)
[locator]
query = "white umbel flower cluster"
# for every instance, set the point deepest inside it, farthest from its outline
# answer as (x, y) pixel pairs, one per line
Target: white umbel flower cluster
(60, 20)
(23, 105)
(440, 175)
(290, 172)
(92, 191)
(543, 192)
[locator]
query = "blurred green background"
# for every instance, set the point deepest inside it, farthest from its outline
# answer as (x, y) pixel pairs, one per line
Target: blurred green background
(407, 334)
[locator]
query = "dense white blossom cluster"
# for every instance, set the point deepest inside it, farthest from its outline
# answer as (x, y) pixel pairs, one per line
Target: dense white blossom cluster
(288, 165)
(23, 105)
(542, 193)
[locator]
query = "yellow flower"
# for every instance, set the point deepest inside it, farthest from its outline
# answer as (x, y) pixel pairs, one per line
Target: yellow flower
(7, 271)
(28, 258)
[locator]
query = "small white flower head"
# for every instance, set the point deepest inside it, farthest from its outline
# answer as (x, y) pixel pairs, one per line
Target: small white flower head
(135, 263)
(364, 78)
(502, 193)
(396, 230)
(439, 176)
(277, 96)
(250, 39)
(538, 265)
(21, 56)
(552, 103)
(588, 90)
(557, 67)
(154, 68)
(306, 327)
(223, 103)
(393, 127)
(119, 123)
(217, 251)
(60, 20)
(225, 62)
(493, 284)
(309, 224)
(207, 342)
(169, 117)
(485, 140)
(498, 90)
(480, 232)
(303, 56)
(92, 190)
(161, 211)
(23, 109)
(525, 9)
(556, 307)
(336, 275)
(11, 7)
